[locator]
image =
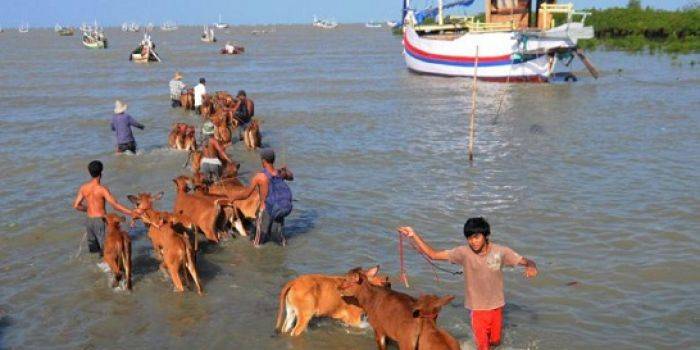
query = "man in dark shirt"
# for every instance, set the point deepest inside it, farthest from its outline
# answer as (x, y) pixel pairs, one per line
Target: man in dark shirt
(121, 125)
(243, 111)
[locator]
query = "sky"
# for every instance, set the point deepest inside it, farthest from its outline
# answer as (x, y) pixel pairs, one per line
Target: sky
(46, 13)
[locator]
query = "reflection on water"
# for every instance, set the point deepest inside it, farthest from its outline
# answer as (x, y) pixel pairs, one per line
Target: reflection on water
(596, 181)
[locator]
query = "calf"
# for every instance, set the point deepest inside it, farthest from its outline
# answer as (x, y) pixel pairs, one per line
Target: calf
(176, 138)
(203, 211)
(430, 337)
(207, 107)
(190, 140)
(251, 135)
(390, 313)
(195, 160)
(247, 208)
(117, 250)
(187, 99)
(309, 296)
(222, 132)
(174, 248)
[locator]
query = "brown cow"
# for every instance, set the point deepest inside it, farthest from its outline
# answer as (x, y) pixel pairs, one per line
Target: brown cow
(195, 160)
(174, 248)
(245, 208)
(187, 99)
(207, 107)
(309, 296)
(222, 132)
(176, 138)
(426, 310)
(203, 211)
(251, 135)
(190, 140)
(390, 313)
(117, 250)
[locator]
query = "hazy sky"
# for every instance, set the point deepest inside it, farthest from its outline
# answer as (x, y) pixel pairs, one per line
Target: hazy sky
(44, 13)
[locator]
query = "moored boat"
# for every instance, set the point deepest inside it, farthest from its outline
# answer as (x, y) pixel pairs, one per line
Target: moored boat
(503, 48)
(373, 25)
(323, 23)
(95, 39)
(220, 24)
(232, 49)
(23, 28)
(168, 26)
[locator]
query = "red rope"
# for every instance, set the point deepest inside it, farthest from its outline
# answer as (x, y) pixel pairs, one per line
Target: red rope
(402, 272)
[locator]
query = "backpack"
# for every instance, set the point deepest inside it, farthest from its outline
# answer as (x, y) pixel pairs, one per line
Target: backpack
(279, 197)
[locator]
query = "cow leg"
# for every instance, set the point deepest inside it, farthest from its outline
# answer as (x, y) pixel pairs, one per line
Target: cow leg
(174, 269)
(303, 318)
(111, 260)
(380, 338)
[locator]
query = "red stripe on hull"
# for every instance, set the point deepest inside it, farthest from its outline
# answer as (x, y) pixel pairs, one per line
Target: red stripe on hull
(512, 79)
(465, 59)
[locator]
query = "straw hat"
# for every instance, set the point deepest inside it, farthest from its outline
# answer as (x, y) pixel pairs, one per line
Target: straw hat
(119, 107)
(208, 128)
(177, 76)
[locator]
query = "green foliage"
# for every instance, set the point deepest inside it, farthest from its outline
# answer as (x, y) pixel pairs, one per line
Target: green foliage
(634, 4)
(636, 29)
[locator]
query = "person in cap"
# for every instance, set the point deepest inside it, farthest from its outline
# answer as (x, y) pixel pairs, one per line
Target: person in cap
(213, 153)
(91, 199)
(275, 197)
(482, 262)
(199, 91)
(243, 111)
(121, 125)
(176, 88)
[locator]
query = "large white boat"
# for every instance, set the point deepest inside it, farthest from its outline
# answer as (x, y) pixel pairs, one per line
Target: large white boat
(503, 48)
(95, 39)
(220, 24)
(324, 23)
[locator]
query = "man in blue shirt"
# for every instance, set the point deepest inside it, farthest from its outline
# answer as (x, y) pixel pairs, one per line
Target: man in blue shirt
(121, 125)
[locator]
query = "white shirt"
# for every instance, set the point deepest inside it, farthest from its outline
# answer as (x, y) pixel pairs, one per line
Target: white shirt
(199, 90)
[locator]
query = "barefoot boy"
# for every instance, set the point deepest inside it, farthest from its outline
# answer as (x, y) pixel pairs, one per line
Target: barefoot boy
(481, 262)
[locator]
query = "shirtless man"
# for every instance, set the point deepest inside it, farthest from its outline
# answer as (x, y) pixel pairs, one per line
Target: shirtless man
(91, 199)
(212, 153)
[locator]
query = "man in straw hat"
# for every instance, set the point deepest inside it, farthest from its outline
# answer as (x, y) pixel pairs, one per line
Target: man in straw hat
(212, 153)
(176, 88)
(121, 125)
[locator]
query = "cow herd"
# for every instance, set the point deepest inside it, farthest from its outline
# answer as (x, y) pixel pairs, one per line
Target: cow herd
(206, 208)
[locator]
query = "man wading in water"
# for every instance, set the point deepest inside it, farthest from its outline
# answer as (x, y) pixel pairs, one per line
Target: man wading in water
(212, 153)
(275, 198)
(481, 262)
(91, 199)
(121, 125)
(243, 110)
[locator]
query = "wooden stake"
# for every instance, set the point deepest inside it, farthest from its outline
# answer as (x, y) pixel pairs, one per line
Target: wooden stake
(471, 122)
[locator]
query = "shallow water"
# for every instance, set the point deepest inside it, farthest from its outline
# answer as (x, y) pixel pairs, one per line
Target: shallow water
(596, 181)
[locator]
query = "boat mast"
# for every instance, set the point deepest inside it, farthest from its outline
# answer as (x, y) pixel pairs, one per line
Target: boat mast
(440, 21)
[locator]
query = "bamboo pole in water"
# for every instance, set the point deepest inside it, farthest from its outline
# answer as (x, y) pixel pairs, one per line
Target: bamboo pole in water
(471, 122)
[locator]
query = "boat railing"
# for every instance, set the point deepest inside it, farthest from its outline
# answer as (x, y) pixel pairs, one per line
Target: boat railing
(467, 24)
(547, 21)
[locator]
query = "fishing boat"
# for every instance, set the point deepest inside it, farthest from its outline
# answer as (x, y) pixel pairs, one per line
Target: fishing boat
(23, 28)
(149, 27)
(145, 52)
(232, 49)
(66, 31)
(502, 48)
(391, 24)
(132, 27)
(95, 39)
(323, 23)
(125, 27)
(220, 24)
(168, 26)
(373, 25)
(208, 35)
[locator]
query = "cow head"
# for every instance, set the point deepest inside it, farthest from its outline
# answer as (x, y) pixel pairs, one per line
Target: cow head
(181, 183)
(144, 204)
(356, 278)
(113, 220)
(429, 306)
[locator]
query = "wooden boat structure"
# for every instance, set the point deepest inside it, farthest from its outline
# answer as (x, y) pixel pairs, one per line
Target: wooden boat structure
(503, 48)
(232, 49)
(145, 52)
(64, 31)
(324, 23)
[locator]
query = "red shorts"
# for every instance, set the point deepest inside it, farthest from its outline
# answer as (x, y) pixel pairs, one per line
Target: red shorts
(486, 325)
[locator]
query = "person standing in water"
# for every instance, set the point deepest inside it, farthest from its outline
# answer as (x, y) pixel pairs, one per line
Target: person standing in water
(91, 199)
(481, 262)
(121, 125)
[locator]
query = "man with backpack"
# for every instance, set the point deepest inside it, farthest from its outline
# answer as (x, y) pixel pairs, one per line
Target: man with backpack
(275, 198)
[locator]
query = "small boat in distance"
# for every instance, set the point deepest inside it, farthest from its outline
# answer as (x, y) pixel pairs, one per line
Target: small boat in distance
(168, 26)
(391, 24)
(95, 39)
(66, 31)
(208, 35)
(373, 25)
(149, 27)
(323, 23)
(145, 52)
(23, 28)
(220, 24)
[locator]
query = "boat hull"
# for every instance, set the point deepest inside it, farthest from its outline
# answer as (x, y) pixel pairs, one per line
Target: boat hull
(94, 45)
(502, 56)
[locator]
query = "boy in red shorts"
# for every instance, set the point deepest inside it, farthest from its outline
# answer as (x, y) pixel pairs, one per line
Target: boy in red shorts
(481, 262)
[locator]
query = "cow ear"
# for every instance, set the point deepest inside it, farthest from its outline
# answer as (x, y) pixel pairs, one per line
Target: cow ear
(444, 300)
(133, 199)
(159, 195)
(372, 272)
